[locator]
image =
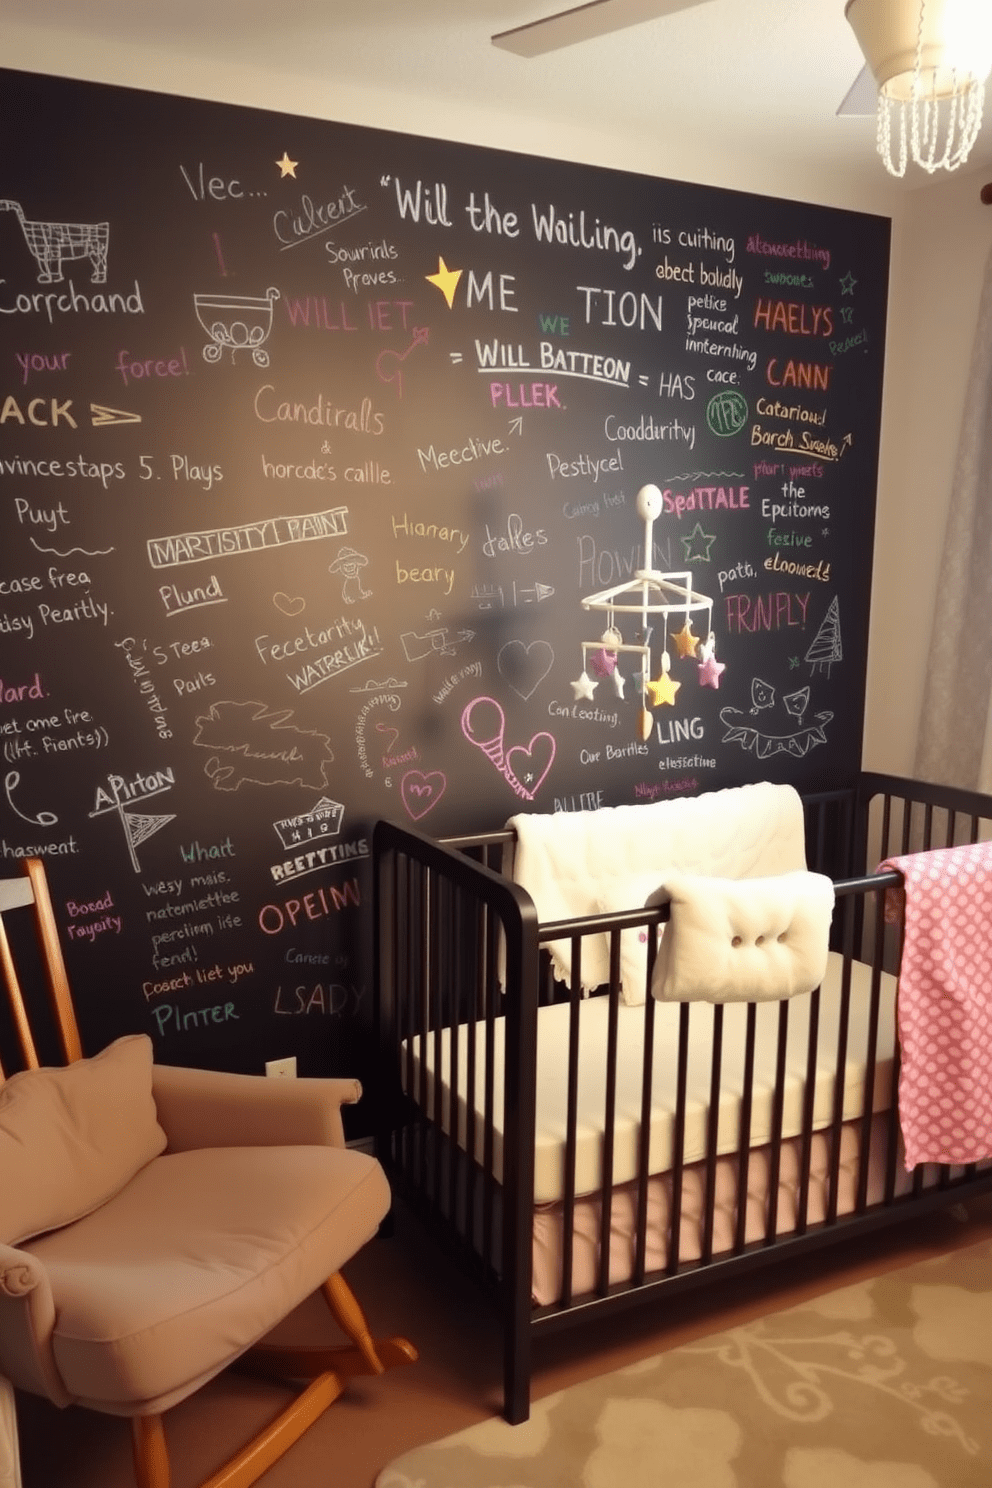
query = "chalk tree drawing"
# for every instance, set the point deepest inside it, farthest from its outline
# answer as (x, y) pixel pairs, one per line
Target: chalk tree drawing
(825, 647)
(51, 243)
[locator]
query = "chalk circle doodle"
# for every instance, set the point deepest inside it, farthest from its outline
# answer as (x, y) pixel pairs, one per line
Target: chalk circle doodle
(524, 766)
(289, 605)
(525, 665)
(44, 818)
(726, 413)
(420, 793)
(236, 323)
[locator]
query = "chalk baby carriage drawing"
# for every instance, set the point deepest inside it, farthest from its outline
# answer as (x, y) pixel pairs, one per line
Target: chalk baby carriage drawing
(236, 323)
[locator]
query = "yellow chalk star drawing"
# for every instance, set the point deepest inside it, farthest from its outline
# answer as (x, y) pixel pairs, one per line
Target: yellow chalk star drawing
(663, 690)
(446, 280)
(685, 640)
(286, 166)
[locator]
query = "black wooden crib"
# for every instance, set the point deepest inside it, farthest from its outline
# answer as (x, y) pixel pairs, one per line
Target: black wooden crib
(577, 1154)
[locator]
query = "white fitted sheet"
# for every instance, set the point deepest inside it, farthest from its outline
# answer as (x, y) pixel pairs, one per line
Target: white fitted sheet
(552, 1055)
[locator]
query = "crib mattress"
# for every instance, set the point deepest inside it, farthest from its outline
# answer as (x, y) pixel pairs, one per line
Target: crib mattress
(420, 1075)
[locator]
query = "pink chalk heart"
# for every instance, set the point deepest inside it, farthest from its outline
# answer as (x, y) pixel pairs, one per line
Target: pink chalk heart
(420, 792)
(527, 765)
(287, 605)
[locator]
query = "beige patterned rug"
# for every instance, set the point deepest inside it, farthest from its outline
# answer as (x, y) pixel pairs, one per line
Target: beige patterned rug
(885, 1384)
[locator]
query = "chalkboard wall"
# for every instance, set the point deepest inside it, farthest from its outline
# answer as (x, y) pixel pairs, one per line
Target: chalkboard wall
(320, 452)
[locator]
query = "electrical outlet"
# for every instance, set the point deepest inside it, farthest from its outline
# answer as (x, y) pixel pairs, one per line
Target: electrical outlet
(281, 1069)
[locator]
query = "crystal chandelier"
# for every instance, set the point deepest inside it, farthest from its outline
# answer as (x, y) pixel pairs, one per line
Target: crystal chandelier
(931, 60)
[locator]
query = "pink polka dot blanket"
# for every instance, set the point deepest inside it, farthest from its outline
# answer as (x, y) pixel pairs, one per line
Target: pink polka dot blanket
(945, 1004)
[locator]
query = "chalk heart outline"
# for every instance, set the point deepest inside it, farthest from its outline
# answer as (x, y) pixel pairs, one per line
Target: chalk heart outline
(420, 793)
(542, 743)
(525, 665)
(294, 606)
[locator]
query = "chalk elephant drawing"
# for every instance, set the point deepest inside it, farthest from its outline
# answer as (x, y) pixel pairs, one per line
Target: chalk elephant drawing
(51, 243)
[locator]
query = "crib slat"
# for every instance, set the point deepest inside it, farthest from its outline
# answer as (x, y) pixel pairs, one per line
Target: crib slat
(678, 1147)
(778, 1100)
(712, 1134)
(871, 1059)
(610, 1114)
(809, 1094)
(571, 1120)
(744, 1130)
(644, 1152)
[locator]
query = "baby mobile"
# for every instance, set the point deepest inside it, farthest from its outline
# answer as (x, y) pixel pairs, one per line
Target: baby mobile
(649, 594)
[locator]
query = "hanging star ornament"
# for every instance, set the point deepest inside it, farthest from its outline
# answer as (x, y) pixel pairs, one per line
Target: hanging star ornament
(583, 687)
(710, 671)
(446, 280)
(603, 662)
(663, 689)
(618, 682)
(685, 640)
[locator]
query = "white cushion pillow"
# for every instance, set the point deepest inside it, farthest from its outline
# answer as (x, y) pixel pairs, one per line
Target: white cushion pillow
(72, 1137)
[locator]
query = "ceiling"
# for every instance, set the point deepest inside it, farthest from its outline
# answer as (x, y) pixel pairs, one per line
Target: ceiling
(758, 80)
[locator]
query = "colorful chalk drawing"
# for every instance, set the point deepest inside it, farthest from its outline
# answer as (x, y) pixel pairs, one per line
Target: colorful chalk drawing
(236, 323)
(421, 792)
(776, 736)
(51, 243)
(261, 747)
(44, 818)
(389, 359)
(289, 604)
(524, 766)
(524, 665)
(826, 647)
(349, 564)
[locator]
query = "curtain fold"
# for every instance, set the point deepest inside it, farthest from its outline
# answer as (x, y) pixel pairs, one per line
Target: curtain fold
(954, 742)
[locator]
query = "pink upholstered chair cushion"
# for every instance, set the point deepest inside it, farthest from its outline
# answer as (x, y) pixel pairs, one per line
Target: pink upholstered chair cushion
(201, 1255)
(72, 1137)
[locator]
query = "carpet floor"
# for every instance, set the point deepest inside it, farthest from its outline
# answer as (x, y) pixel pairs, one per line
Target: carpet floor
(407, 1288)
(883, 1383)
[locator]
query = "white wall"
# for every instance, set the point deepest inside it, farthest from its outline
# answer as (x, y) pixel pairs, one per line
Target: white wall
(941, 238)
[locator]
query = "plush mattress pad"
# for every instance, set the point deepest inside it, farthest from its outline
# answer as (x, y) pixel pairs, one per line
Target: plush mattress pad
(552, 1082)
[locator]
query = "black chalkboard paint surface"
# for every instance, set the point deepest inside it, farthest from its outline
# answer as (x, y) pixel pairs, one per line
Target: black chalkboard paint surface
(320, 458)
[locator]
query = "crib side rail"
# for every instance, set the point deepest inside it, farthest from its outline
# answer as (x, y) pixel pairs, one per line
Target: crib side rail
(456, 948)
(896, 816)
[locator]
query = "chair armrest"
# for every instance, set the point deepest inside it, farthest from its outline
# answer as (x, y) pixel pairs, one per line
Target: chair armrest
(211, 1108)
(27, 1317)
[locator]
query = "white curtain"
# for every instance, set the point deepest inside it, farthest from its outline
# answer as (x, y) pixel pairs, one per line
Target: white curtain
(954, 744)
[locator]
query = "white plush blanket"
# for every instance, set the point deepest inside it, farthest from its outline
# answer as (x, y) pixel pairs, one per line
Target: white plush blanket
(578, 863)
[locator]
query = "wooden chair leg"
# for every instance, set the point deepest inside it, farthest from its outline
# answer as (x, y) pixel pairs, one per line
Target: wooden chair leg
(151, 1460)
(347, 1313)
(151, 1457)
(270, 1444)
